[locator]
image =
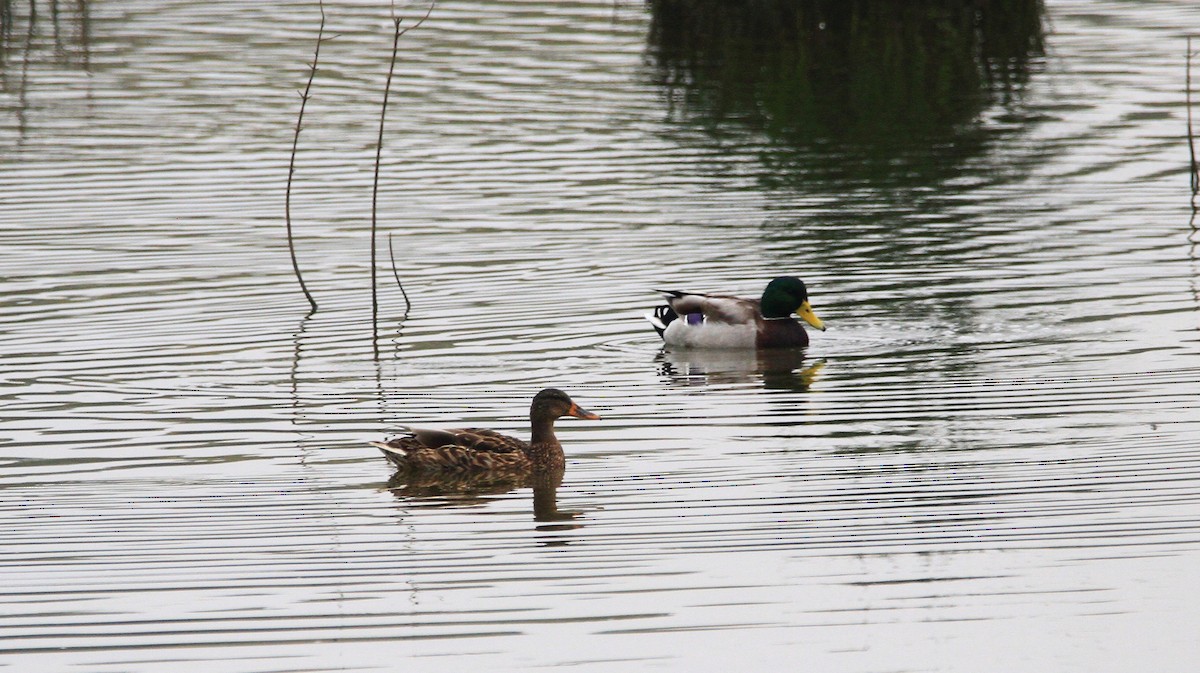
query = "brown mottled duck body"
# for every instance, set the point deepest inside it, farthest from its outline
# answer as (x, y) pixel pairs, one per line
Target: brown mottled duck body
(482, 451)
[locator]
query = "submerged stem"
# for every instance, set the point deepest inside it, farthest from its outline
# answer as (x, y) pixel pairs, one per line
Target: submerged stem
(387, 87)
(287, 200)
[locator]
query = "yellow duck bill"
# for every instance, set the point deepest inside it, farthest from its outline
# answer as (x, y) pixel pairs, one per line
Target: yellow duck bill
(806, 314)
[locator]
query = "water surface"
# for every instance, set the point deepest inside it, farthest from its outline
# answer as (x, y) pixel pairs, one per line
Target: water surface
(989, 462)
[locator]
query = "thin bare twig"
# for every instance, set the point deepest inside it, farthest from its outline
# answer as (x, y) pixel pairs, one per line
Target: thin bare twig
(396, 275)
(1195, 174)
(287, 201)
(387, 88)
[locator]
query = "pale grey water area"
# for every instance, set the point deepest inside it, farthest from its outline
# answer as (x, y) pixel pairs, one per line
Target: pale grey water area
(989, 462)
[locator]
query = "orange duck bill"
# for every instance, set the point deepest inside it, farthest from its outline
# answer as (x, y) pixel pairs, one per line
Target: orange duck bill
(579, 412)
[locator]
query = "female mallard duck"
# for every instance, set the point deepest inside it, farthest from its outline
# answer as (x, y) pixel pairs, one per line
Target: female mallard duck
(477, 450)
(690, 320)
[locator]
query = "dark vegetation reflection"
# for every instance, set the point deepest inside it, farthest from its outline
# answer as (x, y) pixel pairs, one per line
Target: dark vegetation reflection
(888, 90)
(36, 36)
(59, 28)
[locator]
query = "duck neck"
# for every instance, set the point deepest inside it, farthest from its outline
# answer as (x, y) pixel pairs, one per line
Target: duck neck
(544, 449)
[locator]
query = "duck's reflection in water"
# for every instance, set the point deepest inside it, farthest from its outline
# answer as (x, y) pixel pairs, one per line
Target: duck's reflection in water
(777, 369)
(465, 490)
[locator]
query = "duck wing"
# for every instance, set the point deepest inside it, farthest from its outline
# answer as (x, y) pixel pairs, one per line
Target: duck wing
(452, 458)
(458, 449)
(482, 439)
(475, 439)
(715, 308)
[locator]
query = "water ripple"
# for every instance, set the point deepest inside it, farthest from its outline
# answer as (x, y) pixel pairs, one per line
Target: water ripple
(998, 429)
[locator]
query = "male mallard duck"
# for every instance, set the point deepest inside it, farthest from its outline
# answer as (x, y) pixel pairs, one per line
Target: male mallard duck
(691, 320)
(478, 450)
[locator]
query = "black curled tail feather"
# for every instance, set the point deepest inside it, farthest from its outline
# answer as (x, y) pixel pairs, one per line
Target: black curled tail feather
(661, 317)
